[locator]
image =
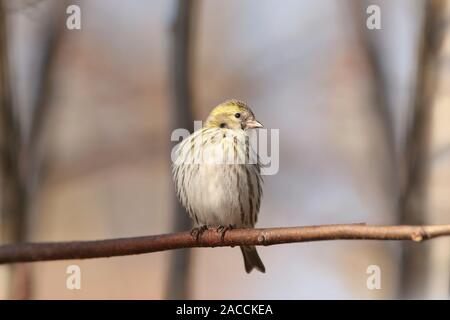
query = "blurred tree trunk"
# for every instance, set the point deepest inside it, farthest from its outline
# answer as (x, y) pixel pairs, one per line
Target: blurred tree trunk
(14, 203)
(415, 164)
(369, 46)
(368, 43)
(22, 157)
(37, 158)
(182, 115)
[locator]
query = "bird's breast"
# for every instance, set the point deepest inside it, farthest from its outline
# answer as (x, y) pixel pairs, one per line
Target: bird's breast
(217, 185)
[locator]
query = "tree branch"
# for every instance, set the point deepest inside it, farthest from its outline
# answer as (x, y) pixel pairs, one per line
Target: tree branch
(29, 252)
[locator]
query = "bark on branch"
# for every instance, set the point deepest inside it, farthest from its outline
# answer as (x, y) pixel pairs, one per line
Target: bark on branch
(28, 252)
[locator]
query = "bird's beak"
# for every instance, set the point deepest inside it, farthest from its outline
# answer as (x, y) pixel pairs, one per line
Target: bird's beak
(251, 124)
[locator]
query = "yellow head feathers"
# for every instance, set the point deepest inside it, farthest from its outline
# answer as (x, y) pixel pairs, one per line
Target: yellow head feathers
(232, 114)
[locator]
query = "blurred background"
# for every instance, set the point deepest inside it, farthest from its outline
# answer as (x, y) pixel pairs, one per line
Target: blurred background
(86, 117)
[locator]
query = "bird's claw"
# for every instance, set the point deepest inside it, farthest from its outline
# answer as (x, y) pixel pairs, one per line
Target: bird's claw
(222, 230)
(198, 231)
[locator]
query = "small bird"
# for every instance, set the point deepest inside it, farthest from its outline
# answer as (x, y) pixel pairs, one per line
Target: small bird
(217, 175)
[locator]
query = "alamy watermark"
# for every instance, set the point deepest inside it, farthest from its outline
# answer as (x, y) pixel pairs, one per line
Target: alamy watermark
(73, 21)
(374, 279)
(73, 281)
(373, 21)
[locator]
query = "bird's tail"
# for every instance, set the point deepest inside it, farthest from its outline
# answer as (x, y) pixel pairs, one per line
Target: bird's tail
(252, 259)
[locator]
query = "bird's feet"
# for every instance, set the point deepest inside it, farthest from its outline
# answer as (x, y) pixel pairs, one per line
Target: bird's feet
(197, 231)
(223, 229)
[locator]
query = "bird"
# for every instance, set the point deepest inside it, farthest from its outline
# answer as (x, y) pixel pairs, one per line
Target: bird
(217, 175)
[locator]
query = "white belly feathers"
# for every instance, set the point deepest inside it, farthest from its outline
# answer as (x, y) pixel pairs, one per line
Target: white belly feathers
(214, 187)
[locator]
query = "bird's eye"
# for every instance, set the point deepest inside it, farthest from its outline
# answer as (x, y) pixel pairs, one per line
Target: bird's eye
(223, 125)
(237, 115)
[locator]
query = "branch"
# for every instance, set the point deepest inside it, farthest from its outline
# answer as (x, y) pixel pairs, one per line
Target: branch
(28, 252)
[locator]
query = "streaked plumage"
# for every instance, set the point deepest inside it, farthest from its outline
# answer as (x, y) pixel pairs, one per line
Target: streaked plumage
(217, 174)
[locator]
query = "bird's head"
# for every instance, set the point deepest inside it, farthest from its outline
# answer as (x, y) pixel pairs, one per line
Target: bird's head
(232, 114)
